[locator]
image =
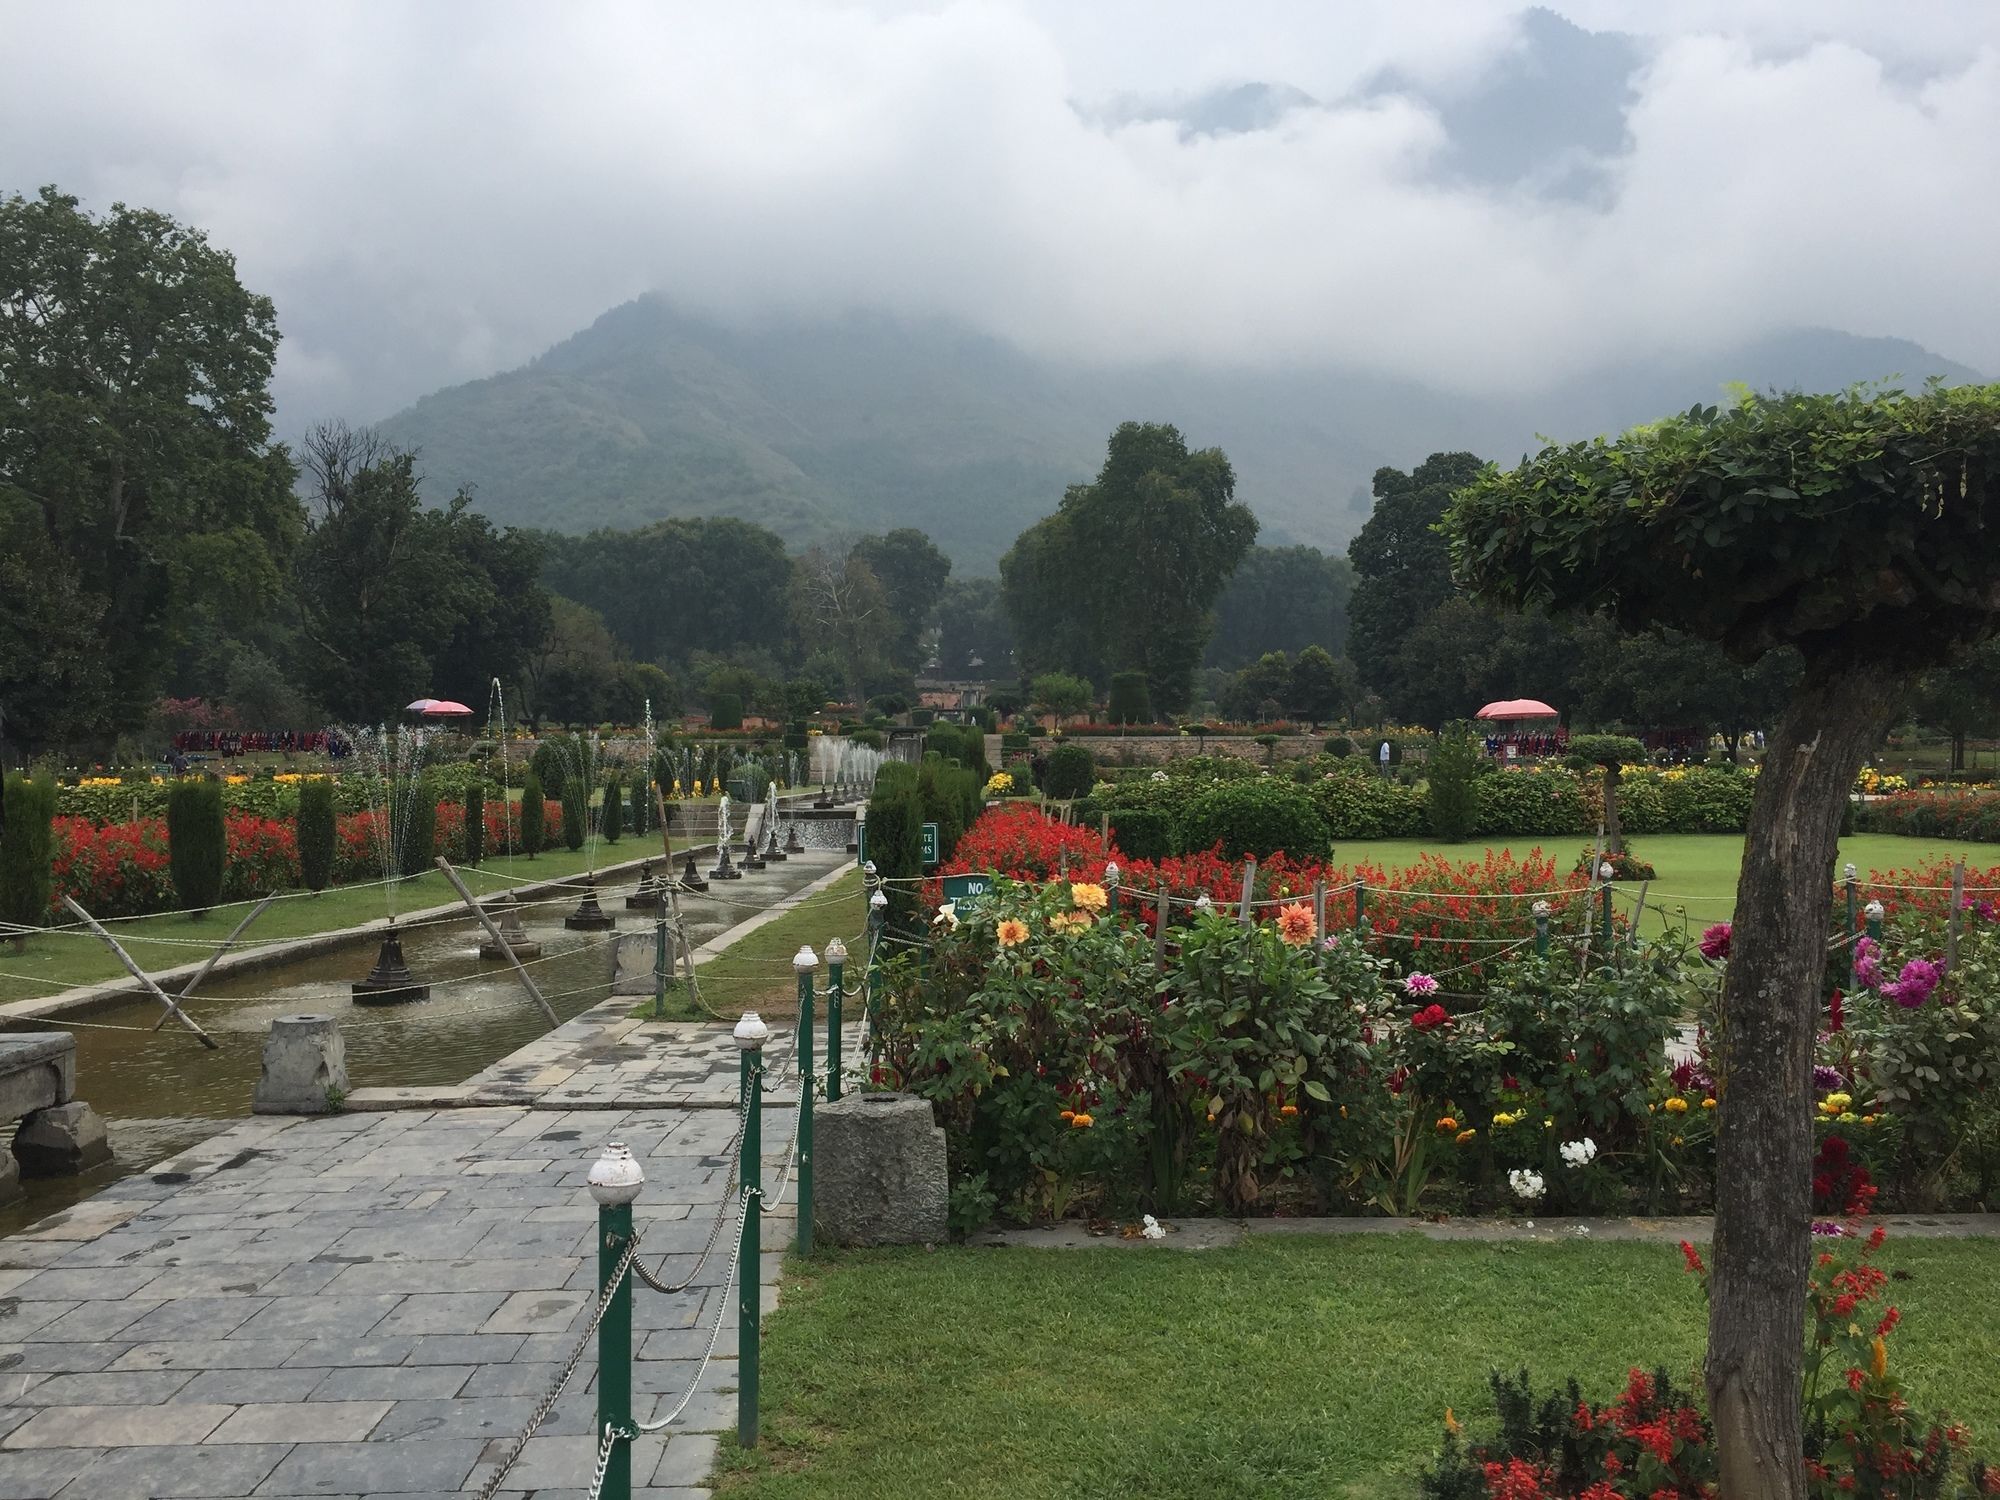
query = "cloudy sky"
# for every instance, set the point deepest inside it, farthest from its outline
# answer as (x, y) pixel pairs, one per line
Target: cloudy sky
(435, 191)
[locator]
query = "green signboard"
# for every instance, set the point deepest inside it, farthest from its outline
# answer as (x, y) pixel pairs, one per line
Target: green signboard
(930, 847)
(930, 856)
(960, 889)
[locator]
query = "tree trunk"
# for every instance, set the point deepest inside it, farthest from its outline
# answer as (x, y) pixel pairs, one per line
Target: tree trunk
(1958, 751)
(1770, 1011)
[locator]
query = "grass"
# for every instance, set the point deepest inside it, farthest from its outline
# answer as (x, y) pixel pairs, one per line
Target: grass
(1290, 1366)
(57, 960)
(1697, 872)
(755, 972)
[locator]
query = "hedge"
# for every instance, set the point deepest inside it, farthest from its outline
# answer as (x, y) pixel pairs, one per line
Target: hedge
(1256, 817)
(1145, 832)
(1070, 774)
(27, 812)
(314, 824)
(196, 843)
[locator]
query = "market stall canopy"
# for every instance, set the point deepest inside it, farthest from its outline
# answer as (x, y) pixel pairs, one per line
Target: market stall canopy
(1518, 708)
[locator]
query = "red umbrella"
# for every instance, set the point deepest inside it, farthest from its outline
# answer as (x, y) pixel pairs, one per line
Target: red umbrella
(438, 708)
(1518, 708)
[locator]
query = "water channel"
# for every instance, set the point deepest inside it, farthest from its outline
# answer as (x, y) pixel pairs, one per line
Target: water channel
(161, 1092)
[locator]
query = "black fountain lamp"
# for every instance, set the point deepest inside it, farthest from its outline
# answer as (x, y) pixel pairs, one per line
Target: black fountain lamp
(691, 877)
(647, 896)
(589, 916)
(390, 982)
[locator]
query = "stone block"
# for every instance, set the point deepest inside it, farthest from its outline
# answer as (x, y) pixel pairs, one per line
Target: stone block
(879, 1172)
(61, 1141)
(632, 962)
(305, 1067)
(36, 1071)
(10, 1179)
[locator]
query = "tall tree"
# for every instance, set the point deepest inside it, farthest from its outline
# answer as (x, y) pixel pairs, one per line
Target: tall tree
(836, 598)
(136, 468)
(572, 674)
(1402, 566)
(912, 573)
(975, 638)
(1855, 528)
(1281, 599)
(1134, 561)
(1963, 697)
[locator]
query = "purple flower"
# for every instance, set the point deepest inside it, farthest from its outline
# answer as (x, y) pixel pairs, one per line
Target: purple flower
(1715, 942)
(1915, 984)
(1420, 984)
(1828, 1228)
(1691, 1078)
(1867, 962)
(1826, 1079)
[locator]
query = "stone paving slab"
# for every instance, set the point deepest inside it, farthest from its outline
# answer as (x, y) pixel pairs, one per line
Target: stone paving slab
(364, 1304)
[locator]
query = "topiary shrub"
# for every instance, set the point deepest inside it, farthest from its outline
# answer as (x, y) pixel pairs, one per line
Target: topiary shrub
(1071, 773)
(551, 766)
(641, 812)
(576, 813)
(612, 818)
(419, 841)
(1607, 752)
(1144, 832)
(725, 711)
(314, 824)
(1339, 746)
(534, 822)
(1131, 699)
(1452, 800)
(1256, 817)
(475, 822)
(196, 843)
(27, 816)
(895, 840)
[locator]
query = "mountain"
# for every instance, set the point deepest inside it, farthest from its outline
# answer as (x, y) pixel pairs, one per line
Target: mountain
(864, 422)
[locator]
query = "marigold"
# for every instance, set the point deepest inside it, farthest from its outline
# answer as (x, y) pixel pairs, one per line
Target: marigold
(1708, 1104)
(1288, 1110)
(1081, 1122)
(1878, 1357)
(1466, 1137)
(1676, 1105)
(1089, 897)
(1447, 1123)
(1296, 925)
(1011, 931)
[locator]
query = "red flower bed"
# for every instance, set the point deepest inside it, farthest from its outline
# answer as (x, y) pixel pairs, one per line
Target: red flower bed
(263, 856)
(1429, 916)
(115, 871)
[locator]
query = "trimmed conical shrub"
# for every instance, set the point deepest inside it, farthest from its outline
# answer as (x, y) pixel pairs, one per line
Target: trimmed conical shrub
(612, 818)
(420, 823)
(27, 812)
(534, 829)
(315, 826)
(576, 809)
(475, 822)
(196, 843)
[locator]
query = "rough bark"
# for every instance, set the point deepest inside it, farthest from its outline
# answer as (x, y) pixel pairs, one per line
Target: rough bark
(1770, 1012)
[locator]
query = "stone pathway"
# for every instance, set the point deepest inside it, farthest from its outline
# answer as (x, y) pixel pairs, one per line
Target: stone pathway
(366, 1304)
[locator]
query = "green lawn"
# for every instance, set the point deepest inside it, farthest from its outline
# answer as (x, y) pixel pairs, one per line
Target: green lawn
(755, 972)
(1697, 871)
(56, 960)
(1310, 1366)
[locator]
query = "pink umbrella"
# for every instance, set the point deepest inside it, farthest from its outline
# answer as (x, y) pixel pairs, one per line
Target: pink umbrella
(437, 708)
(1518, 708)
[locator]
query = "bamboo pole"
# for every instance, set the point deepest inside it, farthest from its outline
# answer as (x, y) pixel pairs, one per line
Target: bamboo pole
(140, 974)
(499, 941)
(188, 989)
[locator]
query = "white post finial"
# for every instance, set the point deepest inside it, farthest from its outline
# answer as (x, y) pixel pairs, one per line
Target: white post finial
(879, 900)
(1111, 874)
(805, 960)
(751, 1033)
(836, 951)
(616, 1176)
(1851, 872)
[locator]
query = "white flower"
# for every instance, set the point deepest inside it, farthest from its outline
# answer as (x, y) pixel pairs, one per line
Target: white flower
(1525, 1184)
(1580, 1230)
(946, 918)
(1578, 1153)
(1159, 776)
(1151, 1229)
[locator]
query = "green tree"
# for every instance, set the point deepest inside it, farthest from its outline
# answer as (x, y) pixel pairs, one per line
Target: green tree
(837, 599)
(1963, 697)
(417, 835)
(912, 573)
(137, 476)
(534, 824)
(316, 827)
(1852, 527)
(27, 813)
(895, 840)
(1259, 692)
(196, 843)
(1132, 563)
(975, 638)
(1322, 686)
(1060, 694)
(576, 812)
(1281, 599)
(1130, 700)
(475, 821)
(571, 676)
(1450, 798)
(611, 820)
(1402, 569)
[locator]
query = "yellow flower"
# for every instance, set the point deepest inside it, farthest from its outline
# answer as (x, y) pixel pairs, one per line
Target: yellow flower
(1288, 1110)
(1466, 1137)
(1867, 1119)
(1678, 1141)
(1878, 1358)
(1708, 1104)
(1677, 1105)
(1081, 1122)
(1069, 922)
(1848, 1117)
(1504, 1119)
(1450, 1422)
(1011, 932)
(1088, 897)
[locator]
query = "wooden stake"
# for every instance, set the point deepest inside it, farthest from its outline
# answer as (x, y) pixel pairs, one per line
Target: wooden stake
(1245, 914)
(140, 974)
(494, 933)
(1160, 930)
(188, 989)
(1951, 927)
(1319, 908)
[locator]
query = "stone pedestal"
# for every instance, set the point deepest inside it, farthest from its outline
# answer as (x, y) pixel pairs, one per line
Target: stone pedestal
(632, 956)
(61, 1141)
(879, 1172)
(10, 1179)
(36, 1070)
(305, 1067)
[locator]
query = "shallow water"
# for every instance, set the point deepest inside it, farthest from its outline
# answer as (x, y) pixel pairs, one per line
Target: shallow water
(162, 1091)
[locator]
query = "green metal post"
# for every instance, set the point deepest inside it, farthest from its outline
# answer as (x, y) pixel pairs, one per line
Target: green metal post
(751, 1034)
(836, 979)
(615, 1181)
(878, 910)
(1541, 929)
(805, 962)
(1361, 907)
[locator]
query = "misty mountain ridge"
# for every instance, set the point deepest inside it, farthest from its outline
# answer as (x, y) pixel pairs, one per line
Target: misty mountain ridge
(864, 422)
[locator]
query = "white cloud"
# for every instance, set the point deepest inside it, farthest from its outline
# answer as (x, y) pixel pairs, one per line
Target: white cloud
(432, 193)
